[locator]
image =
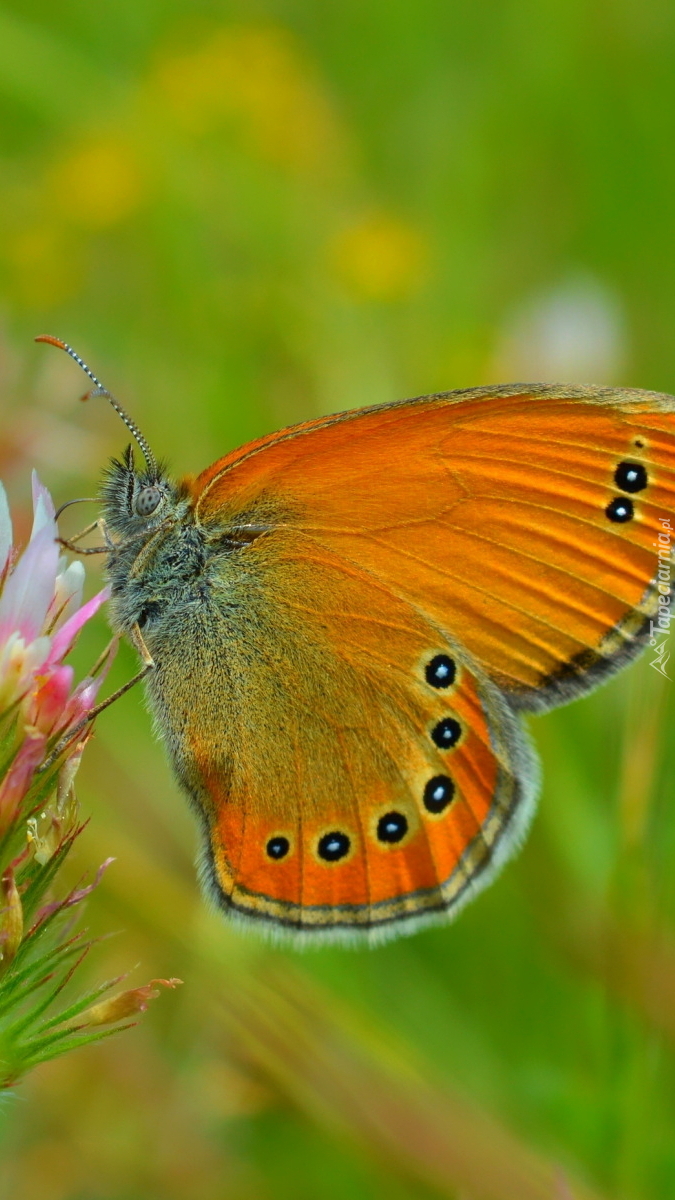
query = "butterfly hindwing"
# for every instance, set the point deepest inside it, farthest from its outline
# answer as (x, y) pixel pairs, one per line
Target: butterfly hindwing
(357, 771)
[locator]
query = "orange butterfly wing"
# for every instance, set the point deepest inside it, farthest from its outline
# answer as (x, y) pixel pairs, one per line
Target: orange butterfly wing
(344, 791)
(488, 509)
(509, 532)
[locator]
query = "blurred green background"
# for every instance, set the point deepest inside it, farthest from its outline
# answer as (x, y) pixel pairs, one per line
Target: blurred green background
(243, 215)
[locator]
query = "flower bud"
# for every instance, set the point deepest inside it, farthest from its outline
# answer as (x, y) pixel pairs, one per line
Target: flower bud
(11, 919)
(126, 1004)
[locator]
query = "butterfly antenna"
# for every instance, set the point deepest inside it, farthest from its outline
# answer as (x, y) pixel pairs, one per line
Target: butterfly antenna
(100, 390)
(68, 503)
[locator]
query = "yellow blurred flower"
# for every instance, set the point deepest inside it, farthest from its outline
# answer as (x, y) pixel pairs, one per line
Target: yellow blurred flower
(99, 184)
(258, 78)
(380, 258)
(43, 270)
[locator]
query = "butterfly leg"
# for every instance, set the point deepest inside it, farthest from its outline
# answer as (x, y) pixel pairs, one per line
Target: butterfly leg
(136, 639)
(100, 525)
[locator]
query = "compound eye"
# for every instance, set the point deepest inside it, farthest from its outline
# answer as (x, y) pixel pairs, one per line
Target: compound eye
(147, 500)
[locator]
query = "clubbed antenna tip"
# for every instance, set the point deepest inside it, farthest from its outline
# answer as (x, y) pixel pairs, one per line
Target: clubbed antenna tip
(100, 390)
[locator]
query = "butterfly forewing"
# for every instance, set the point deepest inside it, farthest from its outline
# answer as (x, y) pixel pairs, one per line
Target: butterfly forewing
(509, 516)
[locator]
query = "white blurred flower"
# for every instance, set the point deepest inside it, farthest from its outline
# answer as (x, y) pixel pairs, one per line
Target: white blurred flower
(41, 613)
(574, 333)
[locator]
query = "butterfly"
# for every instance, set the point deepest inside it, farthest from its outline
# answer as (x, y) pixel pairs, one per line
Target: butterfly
(342, 621)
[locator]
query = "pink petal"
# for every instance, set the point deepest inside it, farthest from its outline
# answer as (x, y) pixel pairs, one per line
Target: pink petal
(43, 507)
(49, 703)
(63, 640)
(67, 592)
(18, 779)
(82, 701)
(5, 529)
(28, 591)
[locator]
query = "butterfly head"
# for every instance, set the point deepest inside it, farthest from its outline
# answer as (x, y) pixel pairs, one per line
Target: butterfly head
(137, 499)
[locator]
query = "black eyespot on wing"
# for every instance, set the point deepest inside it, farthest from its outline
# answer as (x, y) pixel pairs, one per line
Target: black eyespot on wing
(446, 733)
(278, 847)
(438, 793)
(392, 827)
(620, 510)
(441, 671)
(333, 846)
(631, 477)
